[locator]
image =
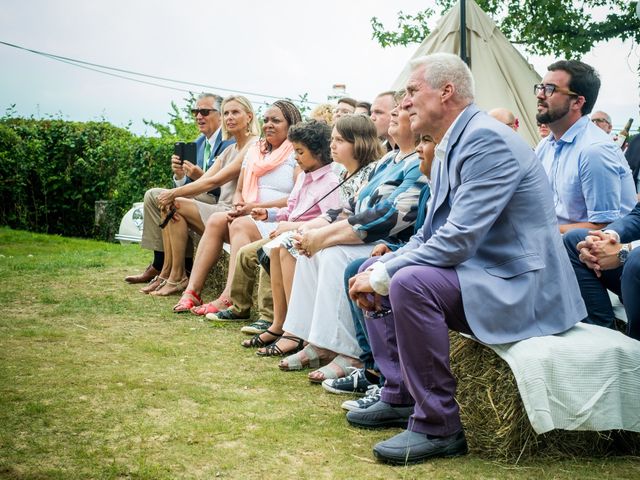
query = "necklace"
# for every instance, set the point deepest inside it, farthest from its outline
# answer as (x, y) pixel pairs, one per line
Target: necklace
(400, 158)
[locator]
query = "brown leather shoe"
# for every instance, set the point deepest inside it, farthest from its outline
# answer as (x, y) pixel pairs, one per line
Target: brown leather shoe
(144, 277)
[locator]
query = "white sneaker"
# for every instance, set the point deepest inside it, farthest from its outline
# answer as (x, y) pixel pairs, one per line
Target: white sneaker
(372, 397)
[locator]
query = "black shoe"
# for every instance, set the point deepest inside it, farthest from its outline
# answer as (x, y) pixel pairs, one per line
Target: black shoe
(380, 415)
(413, 447)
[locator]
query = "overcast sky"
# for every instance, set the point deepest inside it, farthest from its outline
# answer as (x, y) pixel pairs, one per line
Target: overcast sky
(282, 48)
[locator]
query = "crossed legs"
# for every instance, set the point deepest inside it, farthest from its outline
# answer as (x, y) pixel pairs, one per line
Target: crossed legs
(175, 237)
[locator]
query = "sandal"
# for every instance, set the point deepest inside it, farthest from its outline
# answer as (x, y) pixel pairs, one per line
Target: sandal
(188, 300)
(339, 367)
(171, 288)
(274, 350)
(257, 342)
(154, 283)
(308, 357)
(212, 307)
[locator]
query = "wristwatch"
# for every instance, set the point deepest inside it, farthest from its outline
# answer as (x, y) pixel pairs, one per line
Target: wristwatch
(623, 253)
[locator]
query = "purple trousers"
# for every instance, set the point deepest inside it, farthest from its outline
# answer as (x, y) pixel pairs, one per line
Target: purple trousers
(411, 345)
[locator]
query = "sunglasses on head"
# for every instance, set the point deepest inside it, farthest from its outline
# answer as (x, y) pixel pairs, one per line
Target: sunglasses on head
(202, 111)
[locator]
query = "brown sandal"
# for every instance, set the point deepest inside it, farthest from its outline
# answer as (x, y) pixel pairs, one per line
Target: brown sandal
(154, 283)
(170, 288)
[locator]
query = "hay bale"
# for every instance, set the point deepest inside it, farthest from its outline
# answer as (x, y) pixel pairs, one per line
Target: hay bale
(216, 280)
(495, 420)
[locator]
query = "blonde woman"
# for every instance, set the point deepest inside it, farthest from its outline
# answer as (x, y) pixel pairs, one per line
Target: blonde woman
(239, 122)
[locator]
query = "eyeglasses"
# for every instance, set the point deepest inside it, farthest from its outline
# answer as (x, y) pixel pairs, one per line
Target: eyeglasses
(202, 111)
(601, 120)
(549, 89)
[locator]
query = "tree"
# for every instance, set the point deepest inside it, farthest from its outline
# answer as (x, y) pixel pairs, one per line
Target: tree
(564, 28)
(181, 124)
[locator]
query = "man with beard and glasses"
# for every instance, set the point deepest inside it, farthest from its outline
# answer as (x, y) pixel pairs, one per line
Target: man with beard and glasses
(589, 176)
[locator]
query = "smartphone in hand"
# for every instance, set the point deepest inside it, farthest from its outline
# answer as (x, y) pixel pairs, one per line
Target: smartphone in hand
(178, 150)
(190, 152)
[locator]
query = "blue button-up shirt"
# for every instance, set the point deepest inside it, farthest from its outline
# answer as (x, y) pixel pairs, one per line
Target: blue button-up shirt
(589, 176)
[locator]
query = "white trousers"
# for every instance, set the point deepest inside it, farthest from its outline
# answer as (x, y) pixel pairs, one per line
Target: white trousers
(319, 307)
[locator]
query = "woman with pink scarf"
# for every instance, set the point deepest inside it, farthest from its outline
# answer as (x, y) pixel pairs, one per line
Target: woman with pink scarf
(266, 179)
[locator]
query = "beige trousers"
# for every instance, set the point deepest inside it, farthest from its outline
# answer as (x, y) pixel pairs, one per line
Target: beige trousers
(247, 271)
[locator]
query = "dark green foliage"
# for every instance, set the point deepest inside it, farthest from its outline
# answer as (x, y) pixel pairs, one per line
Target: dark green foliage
(565, 28)
(54, 170)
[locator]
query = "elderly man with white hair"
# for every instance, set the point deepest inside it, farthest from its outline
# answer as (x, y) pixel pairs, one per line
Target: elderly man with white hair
(487, 262)
(602, 120)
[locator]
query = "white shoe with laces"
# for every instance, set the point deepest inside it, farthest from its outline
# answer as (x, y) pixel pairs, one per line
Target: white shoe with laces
(372, 397)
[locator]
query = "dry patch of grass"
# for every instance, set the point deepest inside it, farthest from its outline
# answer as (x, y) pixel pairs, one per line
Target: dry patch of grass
(99, 381)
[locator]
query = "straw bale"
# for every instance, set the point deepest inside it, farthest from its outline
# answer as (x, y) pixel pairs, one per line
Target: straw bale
(496, 423)
(217, 279)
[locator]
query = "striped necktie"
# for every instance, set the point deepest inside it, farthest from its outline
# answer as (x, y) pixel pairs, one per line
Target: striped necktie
(207, 154)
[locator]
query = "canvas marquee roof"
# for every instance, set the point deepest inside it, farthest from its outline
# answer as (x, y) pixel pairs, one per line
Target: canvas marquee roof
(503, 77)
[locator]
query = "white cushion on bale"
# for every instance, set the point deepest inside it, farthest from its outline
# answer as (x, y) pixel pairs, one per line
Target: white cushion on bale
(587, 378)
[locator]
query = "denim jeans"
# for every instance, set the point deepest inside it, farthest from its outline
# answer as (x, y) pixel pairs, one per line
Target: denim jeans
(624, 281)
(358, 317)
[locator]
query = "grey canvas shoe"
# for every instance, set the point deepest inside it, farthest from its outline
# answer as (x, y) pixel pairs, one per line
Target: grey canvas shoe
(380, 415)
(414, 447)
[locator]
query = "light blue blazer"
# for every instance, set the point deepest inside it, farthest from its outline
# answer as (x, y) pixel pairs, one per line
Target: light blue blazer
(492, 219)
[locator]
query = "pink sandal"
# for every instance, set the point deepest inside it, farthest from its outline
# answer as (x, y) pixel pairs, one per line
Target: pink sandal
(212, 307)
(189, 300)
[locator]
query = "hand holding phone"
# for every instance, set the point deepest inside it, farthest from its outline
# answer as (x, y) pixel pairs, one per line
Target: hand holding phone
(178, 151)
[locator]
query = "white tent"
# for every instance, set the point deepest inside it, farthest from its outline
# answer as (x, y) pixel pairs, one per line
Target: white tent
(503, 77)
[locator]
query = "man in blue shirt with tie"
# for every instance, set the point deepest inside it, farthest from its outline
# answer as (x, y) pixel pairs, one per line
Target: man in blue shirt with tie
(208, 146)
(589, 176)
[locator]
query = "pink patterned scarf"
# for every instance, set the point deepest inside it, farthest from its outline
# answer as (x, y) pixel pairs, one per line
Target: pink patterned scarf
(260, 162)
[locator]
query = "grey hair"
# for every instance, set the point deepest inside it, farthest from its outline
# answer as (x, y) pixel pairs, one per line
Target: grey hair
(217, 100)
(604, 114)
(443, 68)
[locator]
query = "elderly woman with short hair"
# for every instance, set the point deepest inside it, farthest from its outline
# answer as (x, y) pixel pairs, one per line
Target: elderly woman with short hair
(319, 311)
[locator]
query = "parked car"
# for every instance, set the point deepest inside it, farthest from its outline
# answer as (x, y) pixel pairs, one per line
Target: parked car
(131, 225)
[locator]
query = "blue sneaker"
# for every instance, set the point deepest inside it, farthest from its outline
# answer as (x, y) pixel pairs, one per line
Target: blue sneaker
(227, 315)
(256, 328)
(372, 397)
(354, 383)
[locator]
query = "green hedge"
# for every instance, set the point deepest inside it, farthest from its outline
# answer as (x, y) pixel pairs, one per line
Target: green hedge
(53, 171)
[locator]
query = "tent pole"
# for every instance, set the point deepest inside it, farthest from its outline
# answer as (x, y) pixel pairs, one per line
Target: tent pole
(463, 32)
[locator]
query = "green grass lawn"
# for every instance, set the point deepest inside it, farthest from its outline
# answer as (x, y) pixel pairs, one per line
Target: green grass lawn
(100, 381)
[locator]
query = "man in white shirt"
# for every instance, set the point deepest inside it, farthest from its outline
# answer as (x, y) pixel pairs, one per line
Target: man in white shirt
(487, 262)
